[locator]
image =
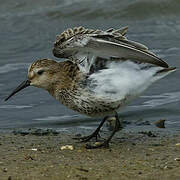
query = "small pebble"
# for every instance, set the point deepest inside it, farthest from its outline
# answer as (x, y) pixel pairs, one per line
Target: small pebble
(160, 123)
(34, 149)
(110, 119)
(97, 143)
(67, 147)
(177, 159)
(28, 157)
(4, 169)
(82, 169)
(178, 144)
(148, 133)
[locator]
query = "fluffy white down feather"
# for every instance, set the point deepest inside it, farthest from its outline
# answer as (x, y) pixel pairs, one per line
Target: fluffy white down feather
(122, 79)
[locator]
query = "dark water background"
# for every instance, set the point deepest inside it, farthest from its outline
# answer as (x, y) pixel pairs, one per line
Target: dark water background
(28, 30)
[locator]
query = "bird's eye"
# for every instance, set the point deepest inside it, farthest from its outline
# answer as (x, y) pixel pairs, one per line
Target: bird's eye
(40, 72)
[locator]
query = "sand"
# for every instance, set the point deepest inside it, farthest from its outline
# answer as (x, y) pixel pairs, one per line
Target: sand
(144, 155)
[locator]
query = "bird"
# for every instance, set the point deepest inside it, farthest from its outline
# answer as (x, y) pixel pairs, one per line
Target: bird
(102, 72)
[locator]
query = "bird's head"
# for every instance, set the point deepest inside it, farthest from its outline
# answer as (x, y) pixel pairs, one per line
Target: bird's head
(42, 74)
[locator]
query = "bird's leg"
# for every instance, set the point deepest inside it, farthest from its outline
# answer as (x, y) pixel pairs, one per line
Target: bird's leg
(95, 133)
(119, 126)
(106, 142)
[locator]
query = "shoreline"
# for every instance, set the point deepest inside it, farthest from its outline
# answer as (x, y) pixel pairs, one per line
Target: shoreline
(131, 155)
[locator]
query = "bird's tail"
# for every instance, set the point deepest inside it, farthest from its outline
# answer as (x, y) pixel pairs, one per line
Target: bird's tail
(163, 72)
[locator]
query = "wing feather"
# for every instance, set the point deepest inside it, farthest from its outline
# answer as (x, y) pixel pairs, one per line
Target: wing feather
(80, 43)
(102, 48)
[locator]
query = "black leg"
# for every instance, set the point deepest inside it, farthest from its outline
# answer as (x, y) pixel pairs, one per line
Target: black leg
(94, 134)
(106, 142)
(119, 125)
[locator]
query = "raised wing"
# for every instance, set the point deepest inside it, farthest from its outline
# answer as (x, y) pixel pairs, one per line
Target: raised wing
(64, 46)
(109, 44)
(104, 48)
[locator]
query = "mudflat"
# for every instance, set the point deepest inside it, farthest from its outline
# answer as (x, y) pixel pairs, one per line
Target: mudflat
(131, 155)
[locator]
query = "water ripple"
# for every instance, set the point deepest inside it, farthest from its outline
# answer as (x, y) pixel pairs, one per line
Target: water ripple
(14, 107)
(162, 99)
(50, 118)
(13, 67)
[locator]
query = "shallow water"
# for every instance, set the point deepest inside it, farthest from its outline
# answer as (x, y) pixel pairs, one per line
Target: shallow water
(28, 30)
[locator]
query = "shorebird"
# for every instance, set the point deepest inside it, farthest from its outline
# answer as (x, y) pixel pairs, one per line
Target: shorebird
(103, 72)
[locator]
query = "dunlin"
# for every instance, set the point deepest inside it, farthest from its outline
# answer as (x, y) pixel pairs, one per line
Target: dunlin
(104, 71)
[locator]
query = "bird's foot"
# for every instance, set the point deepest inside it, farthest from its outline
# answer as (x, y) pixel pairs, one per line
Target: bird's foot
(95, 135)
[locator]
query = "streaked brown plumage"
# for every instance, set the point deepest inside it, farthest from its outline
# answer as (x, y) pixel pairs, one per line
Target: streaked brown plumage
(65, 82)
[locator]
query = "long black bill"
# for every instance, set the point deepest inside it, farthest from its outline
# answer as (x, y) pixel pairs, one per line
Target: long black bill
(23, 85)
